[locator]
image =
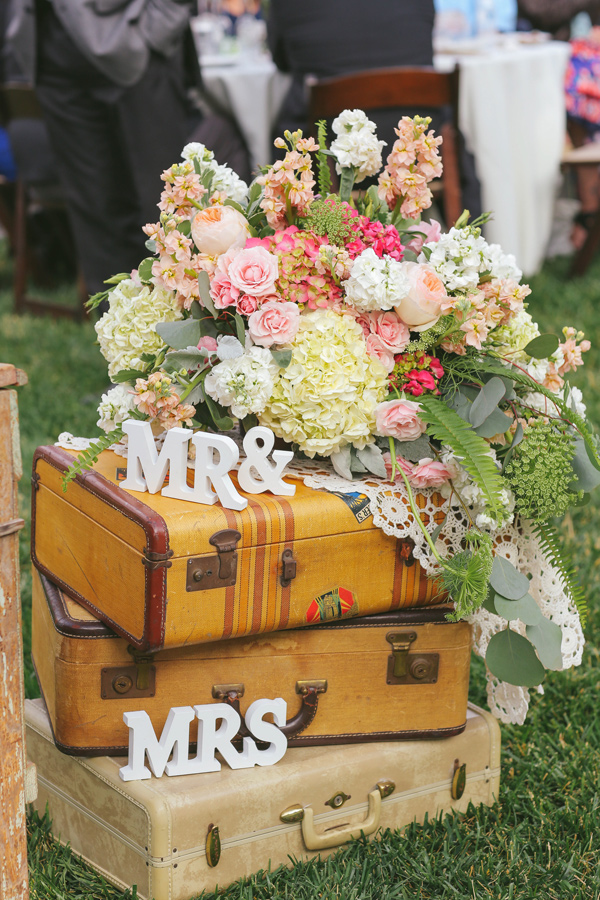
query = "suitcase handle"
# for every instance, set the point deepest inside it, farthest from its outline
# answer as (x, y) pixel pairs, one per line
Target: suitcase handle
(308, 690)
(335, 836)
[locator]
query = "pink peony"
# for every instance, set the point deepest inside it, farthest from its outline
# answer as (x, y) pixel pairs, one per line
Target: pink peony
(399, 419)
(401, 463)
(421, 308)
(254, 271)
(432, 231)
(391, 330)
(219, 228)
(431, 473)
(274, 323)
(378, 350)
(207, 343)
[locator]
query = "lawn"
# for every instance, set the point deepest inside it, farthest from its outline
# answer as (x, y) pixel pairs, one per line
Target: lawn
(542, 839)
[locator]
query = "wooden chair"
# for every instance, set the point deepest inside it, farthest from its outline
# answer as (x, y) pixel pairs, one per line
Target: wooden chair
(585, 155)
(18, 101)
(421, 88)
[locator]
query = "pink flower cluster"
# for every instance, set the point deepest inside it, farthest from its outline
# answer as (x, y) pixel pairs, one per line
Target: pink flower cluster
(491, 306)
(382, 238)
(572, 349)
(244, 279)
(427, 473)
(415, 373)
(299, 279)
(183, 189)
(412, 164)
(385, 335)
(157, 398)
(289, 184)
(177, 267)
(505, 298)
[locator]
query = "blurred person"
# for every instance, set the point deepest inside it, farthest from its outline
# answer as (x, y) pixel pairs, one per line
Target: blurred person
(555, 16)
(110, 78)
(338, 37)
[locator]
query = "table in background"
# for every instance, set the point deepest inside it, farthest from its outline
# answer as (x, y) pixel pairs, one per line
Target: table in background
(511, 112)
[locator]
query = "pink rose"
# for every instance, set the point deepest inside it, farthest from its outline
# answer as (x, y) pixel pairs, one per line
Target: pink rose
(222, 292)
(422, 306)
(254, 271)
(401, 463)
(207, 343)
(218, 228)
(399, 419)
(378, 350)
(246, 305)
(391, 330)
(432, 231)
(431, 473)
(274, 323)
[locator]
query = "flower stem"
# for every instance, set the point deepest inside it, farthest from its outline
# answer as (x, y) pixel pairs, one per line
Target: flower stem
(200, 377)
(415, 511)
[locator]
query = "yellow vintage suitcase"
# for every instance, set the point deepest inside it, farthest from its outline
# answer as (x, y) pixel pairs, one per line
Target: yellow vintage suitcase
(161, 834)
(167, 573)
(392, 676)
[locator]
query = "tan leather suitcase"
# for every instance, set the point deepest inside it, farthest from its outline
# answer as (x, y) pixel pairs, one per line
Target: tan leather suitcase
(160, 834)
(394, 675)
(168, 573)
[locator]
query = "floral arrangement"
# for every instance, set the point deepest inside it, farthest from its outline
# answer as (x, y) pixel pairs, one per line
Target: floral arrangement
(359, 333)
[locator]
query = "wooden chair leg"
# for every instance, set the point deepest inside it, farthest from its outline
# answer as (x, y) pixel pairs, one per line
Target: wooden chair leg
(584, 256)
(451, 177)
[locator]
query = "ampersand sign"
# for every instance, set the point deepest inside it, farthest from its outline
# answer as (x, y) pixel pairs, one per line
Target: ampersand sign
(257, 461)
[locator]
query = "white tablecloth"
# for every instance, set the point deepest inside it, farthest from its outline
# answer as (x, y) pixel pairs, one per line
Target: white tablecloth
(512, 114)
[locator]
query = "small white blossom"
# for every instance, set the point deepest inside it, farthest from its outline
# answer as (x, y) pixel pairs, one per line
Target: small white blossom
(115, 407)
(575, 400)
(500, 264)
(243, 384)
(356, 144)
(459, 257)
(224, 178)
(375, 282)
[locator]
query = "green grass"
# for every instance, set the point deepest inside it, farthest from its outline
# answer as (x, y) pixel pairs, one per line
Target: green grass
(541, 841)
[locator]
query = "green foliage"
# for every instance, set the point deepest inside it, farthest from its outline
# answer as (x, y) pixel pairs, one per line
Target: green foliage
(556, 554)
(446, 426)
(465, 576)
(87, 459)
(431, 337)
(328, 217)
(511, 658)
(324, 174)
(540, 473)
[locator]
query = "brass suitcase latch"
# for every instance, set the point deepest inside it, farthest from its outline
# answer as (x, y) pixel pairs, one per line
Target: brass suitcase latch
(128, 682)
(410, 668)
(205, 573)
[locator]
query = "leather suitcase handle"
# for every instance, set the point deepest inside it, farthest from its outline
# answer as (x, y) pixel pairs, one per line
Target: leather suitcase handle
(308, 690)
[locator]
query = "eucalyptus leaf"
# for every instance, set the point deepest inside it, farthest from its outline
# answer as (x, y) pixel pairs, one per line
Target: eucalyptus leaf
(509, 391)
(471, 393)
(508, 581)
(372, 457)
(240, 330)
(414, 451)
(341, 462)
(204, 291)
(511, 658)
(525, 609)
(588, 476)
(190, 358)
(145, 269)
(542, 347)
(282, 357)
(488, 603)
(496, 423)
(461, 405)
(196, 310)
(179, 335)
(546, 636)
(185, 227)
(517, 438)
(486, 402)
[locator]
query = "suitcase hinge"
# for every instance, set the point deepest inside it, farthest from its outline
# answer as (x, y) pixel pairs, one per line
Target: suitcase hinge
(407, 668)
(35, 481)
(154, 560)
(205, 573)
(288, 568)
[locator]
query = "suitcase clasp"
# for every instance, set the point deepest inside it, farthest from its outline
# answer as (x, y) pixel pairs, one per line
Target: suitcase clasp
(400, 641)
(205, 573)
(406, 668)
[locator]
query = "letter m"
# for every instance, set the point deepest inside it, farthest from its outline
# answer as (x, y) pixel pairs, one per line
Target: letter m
(146, 468)
(143, 743)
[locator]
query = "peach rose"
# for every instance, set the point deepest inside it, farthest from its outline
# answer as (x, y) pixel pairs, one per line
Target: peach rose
(254, 271)
(274, 323)
(422, 306)
(391, 330)
(378, 350)
(399, 419)
(219, 228)
(431, 473)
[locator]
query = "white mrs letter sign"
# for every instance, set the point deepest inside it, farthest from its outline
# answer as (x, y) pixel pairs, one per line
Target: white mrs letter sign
(147, 469)
(175, 739)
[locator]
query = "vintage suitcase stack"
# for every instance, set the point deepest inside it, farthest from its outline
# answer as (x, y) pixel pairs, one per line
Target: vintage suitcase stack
(145, 603)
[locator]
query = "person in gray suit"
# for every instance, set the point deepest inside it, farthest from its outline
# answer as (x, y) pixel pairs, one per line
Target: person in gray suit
(109, 75)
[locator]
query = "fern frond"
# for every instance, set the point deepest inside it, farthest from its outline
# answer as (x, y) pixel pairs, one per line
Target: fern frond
(324, 175)
(446, 426)
(550, 542)
(87, 459)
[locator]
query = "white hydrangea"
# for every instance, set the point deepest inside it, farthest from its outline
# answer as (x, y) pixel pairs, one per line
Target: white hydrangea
(575, 401)
(224, 178)
(511, 339)
(356, 144)
(243, 384)
(500, 264)
(459, 257)
(128, 328)
(115, 407)
(375, 282)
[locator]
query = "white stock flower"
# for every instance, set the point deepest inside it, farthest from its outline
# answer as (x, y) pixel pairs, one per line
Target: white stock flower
(128, 328)
(500, 264)
(224, 178)
(115, 407)
(197, 151)
(575, 401)
(243, 384)
(375, 282)
(459, 258)
(356, 144)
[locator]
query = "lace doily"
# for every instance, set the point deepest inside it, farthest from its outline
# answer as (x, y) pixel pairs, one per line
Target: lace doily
(391, 512)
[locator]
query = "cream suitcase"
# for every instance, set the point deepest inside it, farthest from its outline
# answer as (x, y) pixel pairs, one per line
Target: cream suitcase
(174, 837)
